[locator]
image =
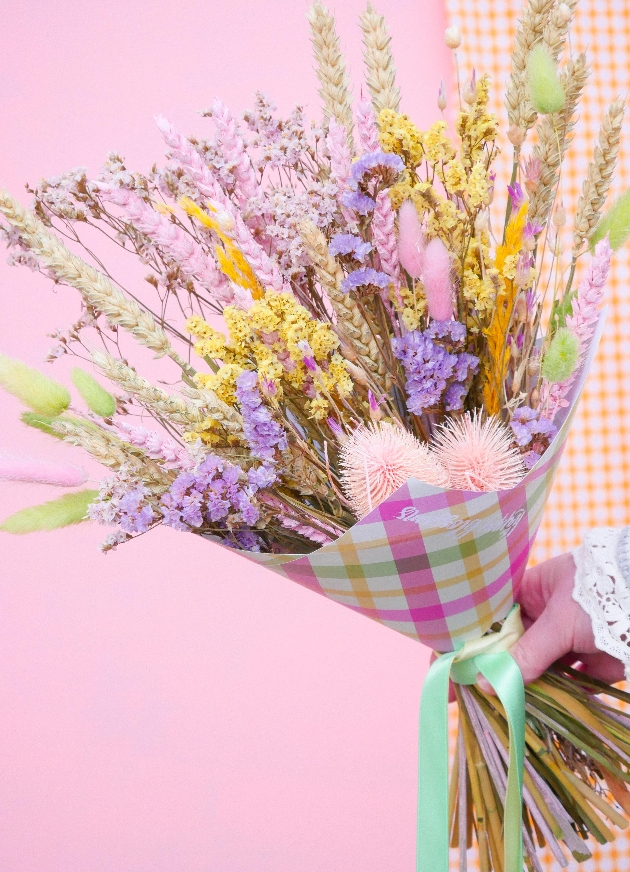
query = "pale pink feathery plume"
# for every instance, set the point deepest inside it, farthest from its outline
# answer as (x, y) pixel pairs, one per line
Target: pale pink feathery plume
(340, 163)
(478, 454)
(192, 260)
(366, 126)
(384, 236)
(163, 449)
(13, 468)
(306, 531)
(411, 239)
(234, 151)
(584, 315)
(436, 277)
(378, 459)
(208, 187)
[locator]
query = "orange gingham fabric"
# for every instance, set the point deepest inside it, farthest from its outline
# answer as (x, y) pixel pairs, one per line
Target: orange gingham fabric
(593, 484)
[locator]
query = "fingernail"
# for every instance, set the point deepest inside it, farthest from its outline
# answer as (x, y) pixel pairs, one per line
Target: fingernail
(484, 685)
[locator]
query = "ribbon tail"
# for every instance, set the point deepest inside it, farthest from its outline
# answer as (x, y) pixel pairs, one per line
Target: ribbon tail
(505, 677)
(432, 833)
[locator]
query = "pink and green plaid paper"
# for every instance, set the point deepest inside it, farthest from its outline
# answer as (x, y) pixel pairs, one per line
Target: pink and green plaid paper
(439, 566)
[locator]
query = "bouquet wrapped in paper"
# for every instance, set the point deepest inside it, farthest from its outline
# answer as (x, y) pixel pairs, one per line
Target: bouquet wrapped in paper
(377, 351)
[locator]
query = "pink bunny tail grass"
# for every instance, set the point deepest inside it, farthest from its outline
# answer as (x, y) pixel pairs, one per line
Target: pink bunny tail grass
(411, 241)
(477, 454)
(436, 275)
(209, 188)
(585, 311)
(366, 126)
(167, 452)
(384, 236)
(378, 459)
(234, 152)
(38, 471)
(192, 260)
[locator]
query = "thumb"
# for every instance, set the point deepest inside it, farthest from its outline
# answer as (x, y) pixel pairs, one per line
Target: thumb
(541, 645)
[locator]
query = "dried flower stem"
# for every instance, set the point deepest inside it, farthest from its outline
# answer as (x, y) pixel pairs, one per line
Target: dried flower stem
(381, 77)
(95, 288)
(331, 67)
(520, 111)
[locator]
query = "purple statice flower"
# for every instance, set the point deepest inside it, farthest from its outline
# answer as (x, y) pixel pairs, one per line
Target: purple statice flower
(263, 434)
(376, 163)
(433, 372)
(527, 424)
(349, 244)
(517, 195)
(359, 202)
(454, 396)
(135, 514)
(214, 491)
(530, 459)
(366, 280)
(123, 501)
(455, 330)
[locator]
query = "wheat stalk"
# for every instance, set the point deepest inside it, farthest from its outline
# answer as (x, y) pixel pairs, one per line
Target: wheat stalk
(112, 452)
(530, 30)
(554, 131)
(173, 409)
(350, 320)
(331, 67)
(555, 30)
(95, 288)
(381, 77)
(599, 176)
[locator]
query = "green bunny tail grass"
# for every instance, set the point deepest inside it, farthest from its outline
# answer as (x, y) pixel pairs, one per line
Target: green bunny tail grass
(562, 357)
(68, 509)
(545, 89)
(97, 399)
(615, 223)
(32, 387)
(41, 422)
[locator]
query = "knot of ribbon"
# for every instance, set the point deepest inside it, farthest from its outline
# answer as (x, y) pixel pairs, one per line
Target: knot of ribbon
(488, 655)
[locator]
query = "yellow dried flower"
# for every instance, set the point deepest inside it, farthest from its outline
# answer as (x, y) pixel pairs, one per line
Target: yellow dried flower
(477, 188)
(222, 382)
(399, 135)
(437, 146)
(319, 408)
(455, 180)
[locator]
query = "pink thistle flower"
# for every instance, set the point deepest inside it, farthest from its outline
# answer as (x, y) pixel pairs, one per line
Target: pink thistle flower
(411, 241)
(14, 468)
(478, 454)
(366, 126)
(378, 459)
(436, 275)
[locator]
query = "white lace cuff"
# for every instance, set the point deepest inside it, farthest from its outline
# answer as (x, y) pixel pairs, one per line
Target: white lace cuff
(602, 588)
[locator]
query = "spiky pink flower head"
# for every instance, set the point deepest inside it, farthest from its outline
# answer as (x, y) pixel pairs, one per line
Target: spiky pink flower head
(378, 459)
(436, 275)
(411, 241)
(477, 453)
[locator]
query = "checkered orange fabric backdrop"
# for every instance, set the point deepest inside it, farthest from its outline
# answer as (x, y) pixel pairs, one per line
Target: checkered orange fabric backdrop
(593, 484)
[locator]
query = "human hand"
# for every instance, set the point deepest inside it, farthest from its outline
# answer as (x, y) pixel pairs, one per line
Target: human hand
(556, 627)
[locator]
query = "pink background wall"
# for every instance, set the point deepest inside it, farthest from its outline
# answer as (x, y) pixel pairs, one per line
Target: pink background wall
(169, 707)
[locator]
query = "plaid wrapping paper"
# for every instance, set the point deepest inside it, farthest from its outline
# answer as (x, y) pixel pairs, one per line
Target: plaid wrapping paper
(437, 565)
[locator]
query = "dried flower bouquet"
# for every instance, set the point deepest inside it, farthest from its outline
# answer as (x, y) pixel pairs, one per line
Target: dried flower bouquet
(357, 344)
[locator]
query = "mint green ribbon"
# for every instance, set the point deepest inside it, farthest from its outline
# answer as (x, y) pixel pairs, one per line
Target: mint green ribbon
(488, 655)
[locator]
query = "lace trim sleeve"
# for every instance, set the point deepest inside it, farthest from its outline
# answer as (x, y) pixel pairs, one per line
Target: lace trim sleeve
(602, 588)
